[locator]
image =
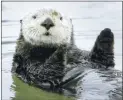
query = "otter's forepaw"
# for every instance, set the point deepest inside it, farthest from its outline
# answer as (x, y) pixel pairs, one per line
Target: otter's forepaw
(105, 41)
(106, 38)
(102, 51)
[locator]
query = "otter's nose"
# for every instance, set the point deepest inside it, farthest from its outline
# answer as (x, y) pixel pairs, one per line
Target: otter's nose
(47, 23)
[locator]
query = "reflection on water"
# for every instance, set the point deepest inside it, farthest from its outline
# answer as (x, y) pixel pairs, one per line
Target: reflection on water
(26, 92)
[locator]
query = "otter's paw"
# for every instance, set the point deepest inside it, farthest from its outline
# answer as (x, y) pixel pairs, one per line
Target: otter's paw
(106, 39)
(102, 51)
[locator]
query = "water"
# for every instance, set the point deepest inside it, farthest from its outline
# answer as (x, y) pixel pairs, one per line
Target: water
(88, 20)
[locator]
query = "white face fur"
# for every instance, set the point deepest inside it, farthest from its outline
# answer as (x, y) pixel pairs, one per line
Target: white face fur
(34, 32)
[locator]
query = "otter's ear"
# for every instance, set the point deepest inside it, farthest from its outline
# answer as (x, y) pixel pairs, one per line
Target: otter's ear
(21, 21)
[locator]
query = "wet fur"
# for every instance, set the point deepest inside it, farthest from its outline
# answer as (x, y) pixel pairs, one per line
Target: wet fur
(49, 62)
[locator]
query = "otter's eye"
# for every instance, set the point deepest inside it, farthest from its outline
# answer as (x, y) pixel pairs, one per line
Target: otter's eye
(34, 17)
(61, 18)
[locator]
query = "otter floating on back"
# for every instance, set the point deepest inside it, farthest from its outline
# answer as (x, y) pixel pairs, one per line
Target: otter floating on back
(47, 57)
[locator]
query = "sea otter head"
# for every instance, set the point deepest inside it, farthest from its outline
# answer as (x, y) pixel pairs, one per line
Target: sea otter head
(46, 26)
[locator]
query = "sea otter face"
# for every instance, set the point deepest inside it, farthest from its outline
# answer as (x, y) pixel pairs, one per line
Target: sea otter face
(46, 26)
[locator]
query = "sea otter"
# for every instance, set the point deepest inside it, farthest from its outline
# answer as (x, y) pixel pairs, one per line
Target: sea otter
(47, 57)
(42, 46)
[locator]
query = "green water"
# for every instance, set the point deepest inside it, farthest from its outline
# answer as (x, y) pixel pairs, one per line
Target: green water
(24, 91)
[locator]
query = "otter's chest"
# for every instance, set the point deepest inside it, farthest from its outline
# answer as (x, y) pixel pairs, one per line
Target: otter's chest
(41, 54)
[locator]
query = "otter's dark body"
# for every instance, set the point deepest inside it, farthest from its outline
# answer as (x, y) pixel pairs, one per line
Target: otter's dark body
(64, 66)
